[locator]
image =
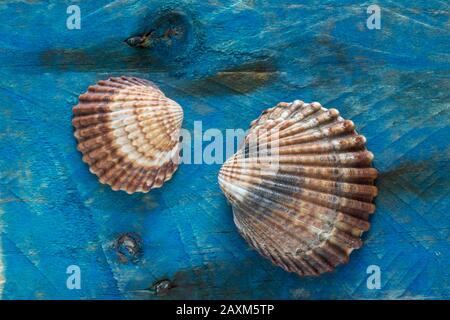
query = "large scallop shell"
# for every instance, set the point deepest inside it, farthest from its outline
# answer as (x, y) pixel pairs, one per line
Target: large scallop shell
(305, 201)
(128, 132)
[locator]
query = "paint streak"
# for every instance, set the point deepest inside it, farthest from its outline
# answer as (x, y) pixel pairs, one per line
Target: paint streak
(240, 79)
(94, 59)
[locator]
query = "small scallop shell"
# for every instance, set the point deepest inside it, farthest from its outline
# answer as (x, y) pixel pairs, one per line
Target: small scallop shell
(128, 132)
(305, 201)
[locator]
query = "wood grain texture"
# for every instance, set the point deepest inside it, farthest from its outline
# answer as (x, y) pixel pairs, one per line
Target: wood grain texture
(238, 58)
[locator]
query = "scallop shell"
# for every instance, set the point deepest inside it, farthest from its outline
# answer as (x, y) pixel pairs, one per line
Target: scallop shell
(128, 132)
(305, 201)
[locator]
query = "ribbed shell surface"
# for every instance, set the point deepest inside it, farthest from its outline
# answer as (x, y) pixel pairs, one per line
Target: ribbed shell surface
(305, 201)
(128, 132)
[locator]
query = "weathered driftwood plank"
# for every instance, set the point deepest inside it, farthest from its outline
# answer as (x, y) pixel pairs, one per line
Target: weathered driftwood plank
(238, 58)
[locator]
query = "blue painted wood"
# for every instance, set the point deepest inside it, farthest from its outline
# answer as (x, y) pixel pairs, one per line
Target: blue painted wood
(238, 58)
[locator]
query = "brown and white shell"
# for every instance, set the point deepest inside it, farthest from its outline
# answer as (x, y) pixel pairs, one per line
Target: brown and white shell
(128, 132)
(305, 201)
